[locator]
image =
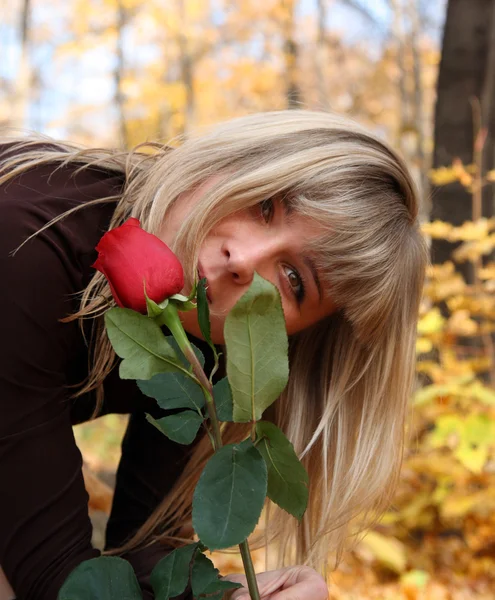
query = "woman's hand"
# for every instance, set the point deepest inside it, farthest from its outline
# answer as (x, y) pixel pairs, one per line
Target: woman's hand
(291, 583)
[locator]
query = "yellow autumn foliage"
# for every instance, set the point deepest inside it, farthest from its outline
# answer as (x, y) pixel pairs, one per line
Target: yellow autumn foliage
(448, 482)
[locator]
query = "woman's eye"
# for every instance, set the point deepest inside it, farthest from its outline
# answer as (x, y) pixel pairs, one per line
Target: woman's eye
(296, 283)
(266, 209)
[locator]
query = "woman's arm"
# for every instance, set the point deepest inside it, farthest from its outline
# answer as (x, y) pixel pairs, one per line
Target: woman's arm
(45, 530)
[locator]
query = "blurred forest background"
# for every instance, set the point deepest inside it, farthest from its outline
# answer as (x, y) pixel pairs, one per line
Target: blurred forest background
(419, 72)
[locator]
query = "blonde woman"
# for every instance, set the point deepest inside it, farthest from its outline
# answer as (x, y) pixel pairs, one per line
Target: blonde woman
(309, 200)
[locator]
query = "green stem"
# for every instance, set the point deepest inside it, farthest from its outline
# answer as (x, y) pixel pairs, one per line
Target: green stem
(216, 365)
(249, 570)
(212, 413)
(170, 318)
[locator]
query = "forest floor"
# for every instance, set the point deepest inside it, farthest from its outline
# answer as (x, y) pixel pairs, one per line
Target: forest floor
(437, 567)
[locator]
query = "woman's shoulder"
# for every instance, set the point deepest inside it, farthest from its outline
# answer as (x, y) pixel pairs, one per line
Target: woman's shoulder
(36, 171)
(36, 192)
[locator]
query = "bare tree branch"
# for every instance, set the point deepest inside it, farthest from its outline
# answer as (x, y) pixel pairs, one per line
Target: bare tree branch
(363, 11)
(118, 73)
(321, 51)
(23, 80)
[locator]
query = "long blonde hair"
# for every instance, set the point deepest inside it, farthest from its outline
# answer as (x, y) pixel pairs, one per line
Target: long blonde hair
(351, 374)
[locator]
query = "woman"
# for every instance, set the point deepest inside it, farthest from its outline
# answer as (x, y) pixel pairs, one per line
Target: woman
(311, 201)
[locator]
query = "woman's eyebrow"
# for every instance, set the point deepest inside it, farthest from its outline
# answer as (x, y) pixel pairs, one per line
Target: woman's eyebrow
(309, 262)
(288, 208)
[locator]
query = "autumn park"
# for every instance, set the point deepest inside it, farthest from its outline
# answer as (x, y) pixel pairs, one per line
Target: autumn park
(421, 75)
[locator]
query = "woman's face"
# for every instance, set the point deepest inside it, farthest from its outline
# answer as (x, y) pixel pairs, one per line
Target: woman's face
(265, 239)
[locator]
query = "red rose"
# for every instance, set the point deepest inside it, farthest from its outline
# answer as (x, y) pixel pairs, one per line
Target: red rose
(128, 256)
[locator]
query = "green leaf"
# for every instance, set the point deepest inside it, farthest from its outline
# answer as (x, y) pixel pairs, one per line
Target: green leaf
(183, 360)
(287, 478)
(204, 312)
(223, 400)
(229, 496)
(257, 350)
(217, 589)
(140, 342)
(179, 297)
(170, 576)
(183, 303)
(173, 390)
(154, 309)
(205, 579)
(103, 578)
(181, 428)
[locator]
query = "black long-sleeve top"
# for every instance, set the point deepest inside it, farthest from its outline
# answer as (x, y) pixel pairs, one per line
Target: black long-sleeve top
(45, 531)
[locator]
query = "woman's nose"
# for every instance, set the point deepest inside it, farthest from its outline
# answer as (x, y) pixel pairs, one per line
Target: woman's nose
(243, 261)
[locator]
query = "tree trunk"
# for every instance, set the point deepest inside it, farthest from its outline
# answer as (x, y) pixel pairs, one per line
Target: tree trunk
(488, 117)
(403, 109)
(466, 73)
(418, 96)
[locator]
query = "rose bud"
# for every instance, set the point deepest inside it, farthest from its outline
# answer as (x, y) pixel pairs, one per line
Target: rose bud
(129, 257)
